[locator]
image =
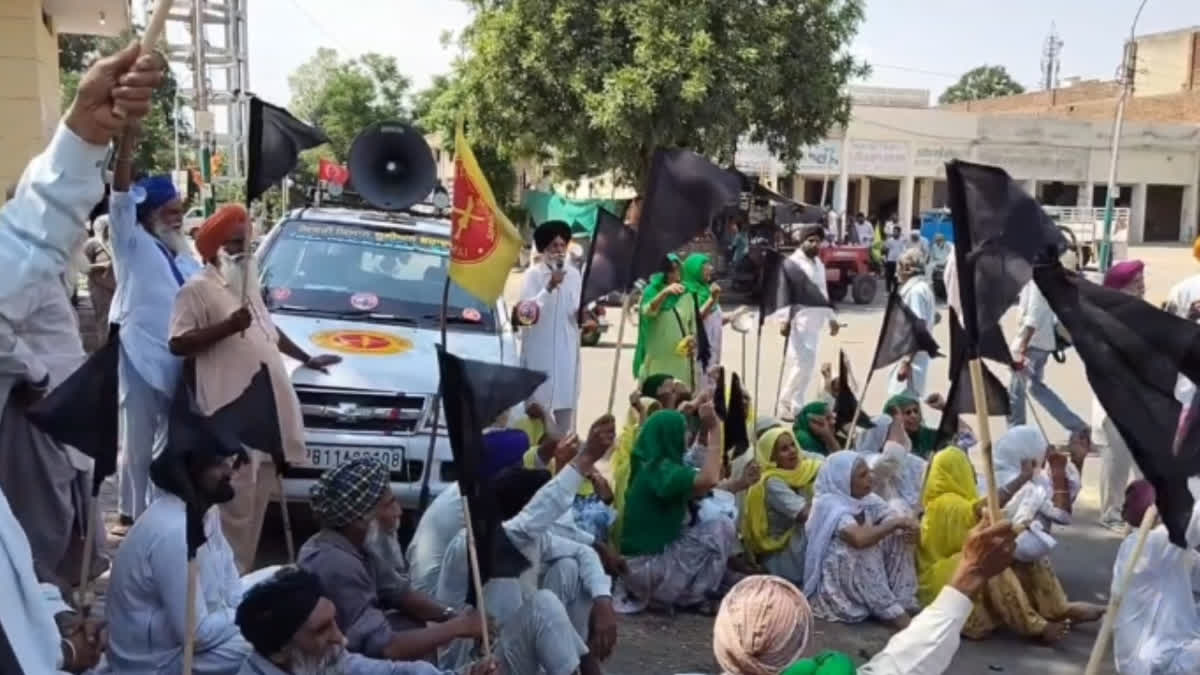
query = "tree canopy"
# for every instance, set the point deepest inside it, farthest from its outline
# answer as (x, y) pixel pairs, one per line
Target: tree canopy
(982, 82)
(156, 152)
(602, 83)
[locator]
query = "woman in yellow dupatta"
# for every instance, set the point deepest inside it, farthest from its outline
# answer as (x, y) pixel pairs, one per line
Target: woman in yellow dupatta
(952, 507)
(776, 507)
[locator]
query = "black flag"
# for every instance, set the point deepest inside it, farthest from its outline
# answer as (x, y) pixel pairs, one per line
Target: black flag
(999, 233)
(252, 419)
(274, 147)
(610, 260)
(846, 401)
(474, 394)
(685, 192)
(786, 284)
(737, 439)
(902, 334)
(961, 397)
(82, 411)
(1133, 354)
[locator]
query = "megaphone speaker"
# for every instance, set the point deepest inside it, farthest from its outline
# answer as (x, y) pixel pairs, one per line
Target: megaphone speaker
(391, 166)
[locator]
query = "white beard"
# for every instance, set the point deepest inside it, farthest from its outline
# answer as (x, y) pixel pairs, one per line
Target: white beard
(384, 547)
(174, 239)
(242, 282)
(302, 664)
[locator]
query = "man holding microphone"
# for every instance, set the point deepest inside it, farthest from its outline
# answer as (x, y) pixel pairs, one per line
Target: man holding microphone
(547, 314)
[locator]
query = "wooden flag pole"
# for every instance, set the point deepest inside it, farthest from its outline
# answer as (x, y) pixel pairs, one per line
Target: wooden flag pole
(1114, 603)
(476, 578)
(150, 38)
(189, 638)
(287, 519)
(779, 384)
(427, 470)
(758, 368)
(743, 370)
(83, 598)
(1036, 418)
(612, 387)
(862, 394)
(985, 436)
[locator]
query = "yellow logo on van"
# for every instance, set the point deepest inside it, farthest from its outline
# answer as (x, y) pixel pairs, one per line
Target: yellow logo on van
(362, 342)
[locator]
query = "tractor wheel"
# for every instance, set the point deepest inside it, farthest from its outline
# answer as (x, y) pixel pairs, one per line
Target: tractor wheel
(863, 289)
(837, 292)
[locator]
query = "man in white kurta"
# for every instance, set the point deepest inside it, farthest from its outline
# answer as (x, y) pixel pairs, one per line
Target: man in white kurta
(804, 332)
(551, 343)
(908, 375)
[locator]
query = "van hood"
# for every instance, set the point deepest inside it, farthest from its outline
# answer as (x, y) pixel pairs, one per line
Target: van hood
(385, 357)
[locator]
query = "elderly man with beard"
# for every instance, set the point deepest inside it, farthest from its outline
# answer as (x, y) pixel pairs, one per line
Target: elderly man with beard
(908, 375)
(147, 597)
(229, 341)
(293, 628)
(355, 507)
(153, 260)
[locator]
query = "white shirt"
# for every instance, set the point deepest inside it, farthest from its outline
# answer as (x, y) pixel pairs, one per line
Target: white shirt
(929, 643)
(866, 233)
(146, 605)
(552, 344)
(145, 296)
(809, 319)
(894, 248)
(1035, 313)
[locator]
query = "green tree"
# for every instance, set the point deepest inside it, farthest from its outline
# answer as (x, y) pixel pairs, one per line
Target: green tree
(982, 82)
(156, 152)
(344, 97)
(603, 83)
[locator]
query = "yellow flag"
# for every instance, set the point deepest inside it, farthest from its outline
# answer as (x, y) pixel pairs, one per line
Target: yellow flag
(484, 245)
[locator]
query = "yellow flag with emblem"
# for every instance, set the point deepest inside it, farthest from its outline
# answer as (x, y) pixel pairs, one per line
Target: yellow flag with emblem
(484, 245)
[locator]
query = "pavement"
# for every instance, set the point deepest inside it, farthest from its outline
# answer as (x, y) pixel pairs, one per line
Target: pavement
(658, 645)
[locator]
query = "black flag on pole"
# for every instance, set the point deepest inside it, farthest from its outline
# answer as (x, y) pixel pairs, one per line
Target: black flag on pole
(274, 146)
(685, 192)
(737, 438)
(610, 260)
(786, 284)
(961, 397)
(475, 394)
(1000, 232)
(902, 334)
(1133, 354)
(846, 401)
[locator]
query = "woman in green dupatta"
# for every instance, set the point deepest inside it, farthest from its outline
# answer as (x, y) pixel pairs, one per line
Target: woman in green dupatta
(814, 429)
(924, 439)
(673, 563)
(697, 279)
(667, 325)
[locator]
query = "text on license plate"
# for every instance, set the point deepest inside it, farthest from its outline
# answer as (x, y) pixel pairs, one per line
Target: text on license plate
(330, 457)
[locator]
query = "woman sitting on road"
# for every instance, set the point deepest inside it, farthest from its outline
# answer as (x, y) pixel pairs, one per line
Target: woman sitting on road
(673, 563)
(897, 475)
(859, 557)
(777, 506)
(814, 429)
(658, 392)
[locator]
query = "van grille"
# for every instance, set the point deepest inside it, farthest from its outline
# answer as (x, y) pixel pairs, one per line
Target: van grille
(361, 412)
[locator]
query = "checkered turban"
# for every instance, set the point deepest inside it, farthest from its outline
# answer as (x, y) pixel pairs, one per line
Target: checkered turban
(349, 492)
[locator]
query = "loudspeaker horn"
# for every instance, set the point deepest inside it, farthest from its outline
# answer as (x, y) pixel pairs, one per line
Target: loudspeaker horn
(391, 166)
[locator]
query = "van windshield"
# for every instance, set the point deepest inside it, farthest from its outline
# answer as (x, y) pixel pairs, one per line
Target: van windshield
(380, 274)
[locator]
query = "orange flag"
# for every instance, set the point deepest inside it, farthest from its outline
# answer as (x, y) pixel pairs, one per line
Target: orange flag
(484, 245)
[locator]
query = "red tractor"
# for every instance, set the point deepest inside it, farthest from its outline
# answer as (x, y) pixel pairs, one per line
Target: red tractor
(849, 268)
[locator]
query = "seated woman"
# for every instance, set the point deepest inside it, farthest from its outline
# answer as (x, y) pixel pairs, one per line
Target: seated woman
(592, 511)
(672, 563)
(666, 328)
(814, 429)
(1157, 628)
(1031, 604)
(859, 558)
(776, 507)
(658, 392)
(897, 475)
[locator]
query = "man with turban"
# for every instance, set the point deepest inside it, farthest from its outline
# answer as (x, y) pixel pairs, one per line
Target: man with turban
(46, 483)
(908, 375)
(354, 506)
(153, 260)
(294, 631)
(220, 322)
(551, 345)
(804, 331)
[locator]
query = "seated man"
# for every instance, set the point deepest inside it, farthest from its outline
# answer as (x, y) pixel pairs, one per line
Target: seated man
(293, 630)
(570, 574)
(148, 591)
(354, 504)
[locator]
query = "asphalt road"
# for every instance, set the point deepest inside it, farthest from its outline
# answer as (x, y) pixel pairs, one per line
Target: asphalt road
(657, 645)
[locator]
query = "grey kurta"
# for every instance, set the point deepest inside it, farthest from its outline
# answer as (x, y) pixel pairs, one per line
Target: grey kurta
(784, 506)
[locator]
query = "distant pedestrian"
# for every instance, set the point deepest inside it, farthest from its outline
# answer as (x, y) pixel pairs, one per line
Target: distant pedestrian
(893, 248)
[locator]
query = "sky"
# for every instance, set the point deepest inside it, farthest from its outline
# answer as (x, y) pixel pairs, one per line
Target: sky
(923, 44)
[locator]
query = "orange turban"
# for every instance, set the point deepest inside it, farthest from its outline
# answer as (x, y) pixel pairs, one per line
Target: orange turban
(218, 229)
(1196, 249)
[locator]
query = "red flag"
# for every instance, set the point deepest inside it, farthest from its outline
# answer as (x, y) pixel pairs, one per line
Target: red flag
(332, 172)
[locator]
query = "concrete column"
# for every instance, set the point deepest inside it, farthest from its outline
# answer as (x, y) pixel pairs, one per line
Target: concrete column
(29, 100)
(1137, 215)
(925, 198)
(1085, 195)
(1187, 216)
(905, 213)
(864, 196)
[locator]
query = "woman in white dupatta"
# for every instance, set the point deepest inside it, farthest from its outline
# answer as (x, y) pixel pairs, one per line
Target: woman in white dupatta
(859, 558)
(1157, 629)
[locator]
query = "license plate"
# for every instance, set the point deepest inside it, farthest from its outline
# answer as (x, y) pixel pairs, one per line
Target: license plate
(833, 275)
(325, 457)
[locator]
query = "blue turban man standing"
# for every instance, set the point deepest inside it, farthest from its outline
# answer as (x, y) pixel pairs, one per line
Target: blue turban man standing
(153, 258)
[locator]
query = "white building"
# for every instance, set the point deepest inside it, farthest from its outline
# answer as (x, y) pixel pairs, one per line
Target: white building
(897, 148)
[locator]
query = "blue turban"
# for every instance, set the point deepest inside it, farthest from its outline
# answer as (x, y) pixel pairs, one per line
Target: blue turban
(503, 448)
(152, 192)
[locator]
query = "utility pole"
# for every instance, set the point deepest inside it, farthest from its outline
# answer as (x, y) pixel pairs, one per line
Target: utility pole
(1125, 78)
(1051, 59)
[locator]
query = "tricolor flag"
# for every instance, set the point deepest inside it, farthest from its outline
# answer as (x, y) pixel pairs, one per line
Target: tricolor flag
(484, 245)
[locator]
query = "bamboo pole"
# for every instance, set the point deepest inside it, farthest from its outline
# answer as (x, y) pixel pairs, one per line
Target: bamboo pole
(189, 639)
(612, 387)
(985, 437)
(1114, 603)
